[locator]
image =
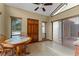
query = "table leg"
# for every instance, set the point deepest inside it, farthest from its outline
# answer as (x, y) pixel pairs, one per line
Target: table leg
(17, 50)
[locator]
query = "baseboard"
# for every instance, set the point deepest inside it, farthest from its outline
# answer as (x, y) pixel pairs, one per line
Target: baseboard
(45, 40)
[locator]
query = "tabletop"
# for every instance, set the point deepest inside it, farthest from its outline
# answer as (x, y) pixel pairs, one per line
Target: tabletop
(18, 39)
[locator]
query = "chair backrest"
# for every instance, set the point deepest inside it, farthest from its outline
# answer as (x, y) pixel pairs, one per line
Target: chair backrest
(2, 38)
(1, 47)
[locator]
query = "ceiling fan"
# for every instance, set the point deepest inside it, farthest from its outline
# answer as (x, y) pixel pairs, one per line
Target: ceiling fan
(41, 5)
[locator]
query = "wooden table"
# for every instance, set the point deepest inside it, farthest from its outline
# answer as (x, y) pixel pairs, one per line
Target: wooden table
(18, 43)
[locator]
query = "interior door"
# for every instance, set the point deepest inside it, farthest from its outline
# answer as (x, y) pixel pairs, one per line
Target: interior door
(33, 29)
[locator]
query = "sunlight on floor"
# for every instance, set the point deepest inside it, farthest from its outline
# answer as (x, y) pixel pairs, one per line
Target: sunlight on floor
(48, 48)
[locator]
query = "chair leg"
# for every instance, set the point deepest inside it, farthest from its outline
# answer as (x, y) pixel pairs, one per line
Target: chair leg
(13, 52)
(1, 54)
(6, 52)
(27, 50)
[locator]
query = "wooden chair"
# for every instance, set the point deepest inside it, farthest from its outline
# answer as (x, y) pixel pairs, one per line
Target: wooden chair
(2, 38)
(8, 48)
(25, 47)
(1, 50)
(5, 47)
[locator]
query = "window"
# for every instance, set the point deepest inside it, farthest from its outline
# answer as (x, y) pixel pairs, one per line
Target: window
(15, 26)
(43, 27)
(43, 30)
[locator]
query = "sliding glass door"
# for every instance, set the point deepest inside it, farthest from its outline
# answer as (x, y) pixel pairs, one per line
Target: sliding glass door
(70, 31)
(66, 31)
(57, 31)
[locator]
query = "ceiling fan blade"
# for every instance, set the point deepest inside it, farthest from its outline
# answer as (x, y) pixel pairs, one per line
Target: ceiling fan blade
(37, 3)
(43, 9)
(36, 8)
(46, 4)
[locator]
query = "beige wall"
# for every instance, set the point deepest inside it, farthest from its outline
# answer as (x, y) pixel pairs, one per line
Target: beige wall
(2, 20)
(11, 11)
(49, 29)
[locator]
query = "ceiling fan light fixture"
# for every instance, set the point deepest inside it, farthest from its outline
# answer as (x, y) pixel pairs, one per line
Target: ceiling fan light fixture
(36, 8)
(41, 5)
(43, 9)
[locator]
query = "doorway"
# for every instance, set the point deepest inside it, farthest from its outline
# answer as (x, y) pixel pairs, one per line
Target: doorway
(15, 26)
(33, 29)
(57, 35)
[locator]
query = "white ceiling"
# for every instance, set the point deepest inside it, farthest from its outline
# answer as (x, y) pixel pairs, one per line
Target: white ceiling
(31, 7)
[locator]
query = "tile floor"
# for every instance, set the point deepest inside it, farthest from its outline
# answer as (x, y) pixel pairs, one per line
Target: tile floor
(49, 48)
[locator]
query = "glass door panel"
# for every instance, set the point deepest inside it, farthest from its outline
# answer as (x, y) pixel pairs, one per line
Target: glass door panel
(57, 32)
(70, 31)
